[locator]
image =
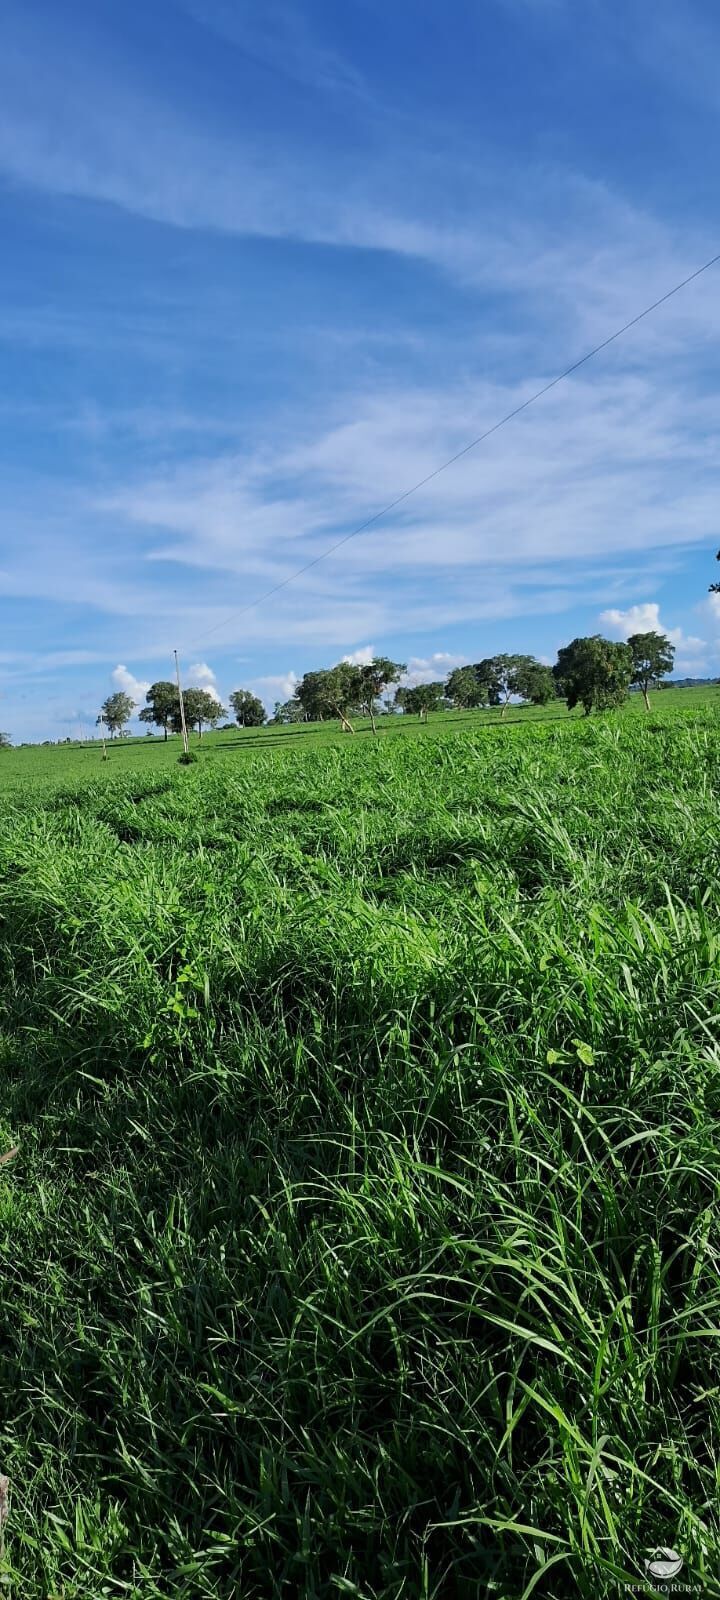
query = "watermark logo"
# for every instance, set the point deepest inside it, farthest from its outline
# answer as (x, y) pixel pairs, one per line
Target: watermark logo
(663, 1564)
(662, 1567)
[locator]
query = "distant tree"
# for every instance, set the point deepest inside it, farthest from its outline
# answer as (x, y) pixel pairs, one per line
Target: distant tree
(201, 709)
(486, 679)
(715, 587)
(336, 691)
(344, 692)
(534, 682)
(500, 677)
(376, 676)
(288, 711)
(162, 705)
(116, 711)
(311, 694)
(5, 741)
(463, 689)
(249, 711)
(594, 672)
(652, 659)
(423, 698)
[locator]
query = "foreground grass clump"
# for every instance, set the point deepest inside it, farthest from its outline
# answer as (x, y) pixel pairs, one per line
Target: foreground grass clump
(363, 1238)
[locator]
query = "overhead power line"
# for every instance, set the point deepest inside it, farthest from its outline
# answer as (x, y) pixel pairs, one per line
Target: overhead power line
(473, 444)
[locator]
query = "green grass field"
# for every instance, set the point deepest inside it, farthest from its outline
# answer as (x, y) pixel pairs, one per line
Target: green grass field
(362, 1238)
(35, 764)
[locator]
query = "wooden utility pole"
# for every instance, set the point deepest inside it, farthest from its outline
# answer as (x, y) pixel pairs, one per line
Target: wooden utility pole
(182, 705)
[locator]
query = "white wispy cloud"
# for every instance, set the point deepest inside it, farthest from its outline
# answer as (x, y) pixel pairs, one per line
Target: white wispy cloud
(279, 36)
(514, 527)
(609, 478)
(681, 47)
(551, 234)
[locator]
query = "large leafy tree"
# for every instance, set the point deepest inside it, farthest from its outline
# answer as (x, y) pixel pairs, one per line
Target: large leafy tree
(652, 659)
(594, 672)
(5, 741)
(715, 587)
(162, 704)
(534, 682)
(249, 711)
(376, 676)
(201, 710)
(422, 698)
(463, 688)
(116, 711)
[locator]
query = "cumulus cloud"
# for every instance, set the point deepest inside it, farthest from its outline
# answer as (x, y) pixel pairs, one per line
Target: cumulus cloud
(361, 657)
(275, 686)
(127, 683)
(430, 669)
(645, 618)
(642, 618)
(202, 676)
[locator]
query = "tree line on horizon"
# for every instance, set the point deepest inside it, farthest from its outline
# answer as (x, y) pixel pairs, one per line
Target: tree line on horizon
(162, 709)
(591, 671)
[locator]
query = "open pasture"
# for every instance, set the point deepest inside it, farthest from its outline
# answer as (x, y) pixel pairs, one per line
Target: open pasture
(362, 1237)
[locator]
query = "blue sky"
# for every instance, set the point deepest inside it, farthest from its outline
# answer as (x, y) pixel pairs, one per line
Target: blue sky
(263, 266)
